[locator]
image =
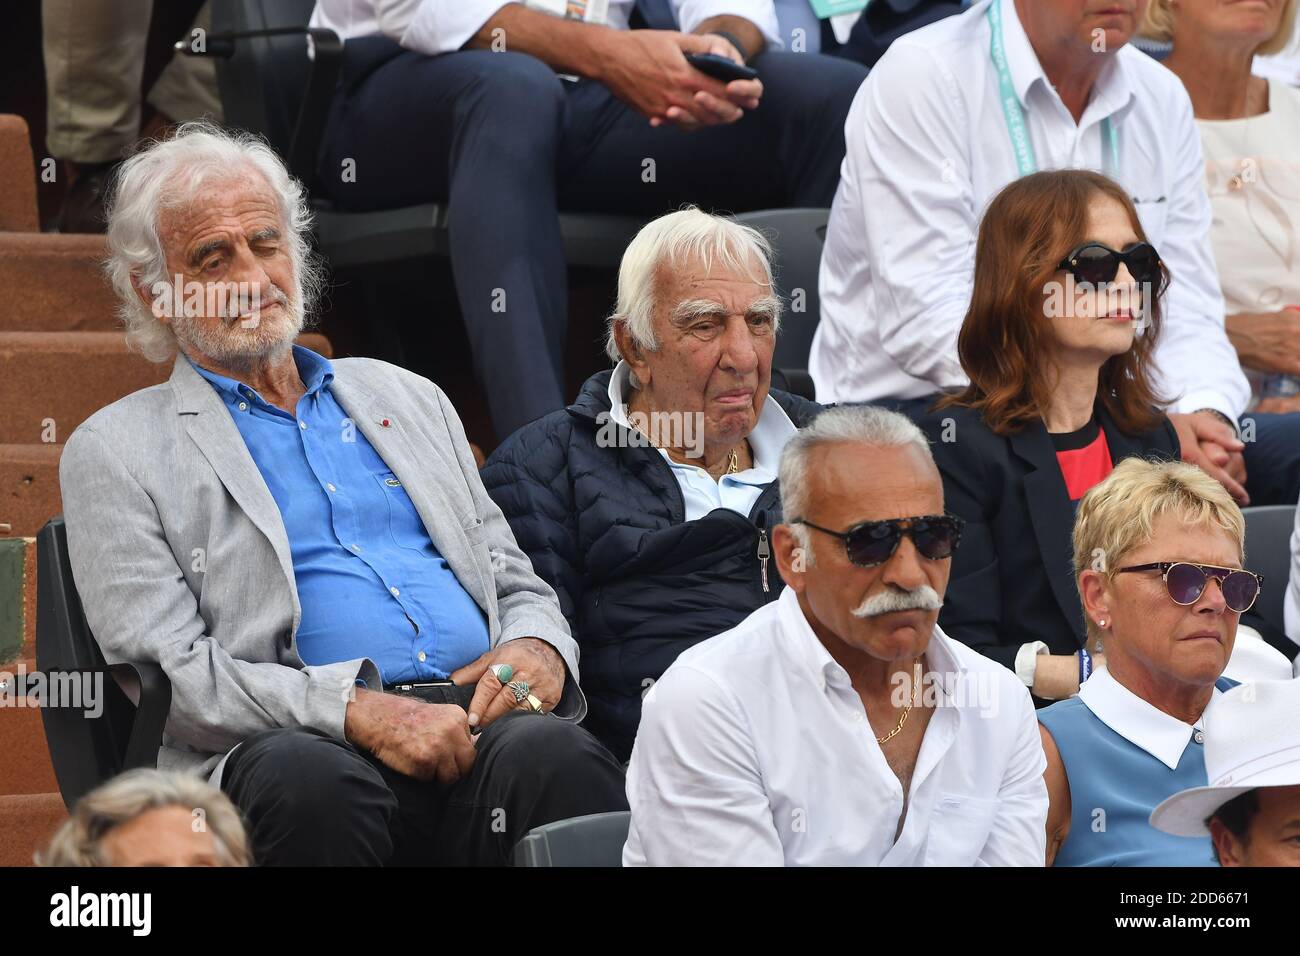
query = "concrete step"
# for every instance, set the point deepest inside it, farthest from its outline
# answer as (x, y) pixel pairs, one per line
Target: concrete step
(29, 492)
(50, 382)
(63, 282)
(24, 757)
(27, 821)
(18, 210)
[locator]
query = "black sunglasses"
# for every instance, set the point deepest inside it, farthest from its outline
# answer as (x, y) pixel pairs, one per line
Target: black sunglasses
(1094, 263)
(874, 542)
(1186, 582)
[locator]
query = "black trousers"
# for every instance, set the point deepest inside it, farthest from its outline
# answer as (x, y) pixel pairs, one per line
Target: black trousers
(313, 800)
(507, 144)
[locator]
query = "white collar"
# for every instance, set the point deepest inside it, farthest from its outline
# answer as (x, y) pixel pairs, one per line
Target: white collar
(810, 654)
(772, 430)
(1139, 722)
(1111, 93)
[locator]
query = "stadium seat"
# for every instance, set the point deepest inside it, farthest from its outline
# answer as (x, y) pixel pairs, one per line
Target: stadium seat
(595, 840)
(86, 751)
(797, 236)
(1268, 552)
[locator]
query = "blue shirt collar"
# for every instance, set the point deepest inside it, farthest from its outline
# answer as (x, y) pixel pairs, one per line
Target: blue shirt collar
(316, 371)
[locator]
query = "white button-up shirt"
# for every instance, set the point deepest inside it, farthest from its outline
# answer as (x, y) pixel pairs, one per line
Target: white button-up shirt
(928, 146)
(701, 492)
(441, 26)
(754, 749)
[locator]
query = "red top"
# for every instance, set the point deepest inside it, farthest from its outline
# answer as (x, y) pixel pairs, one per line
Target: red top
(1085, 465)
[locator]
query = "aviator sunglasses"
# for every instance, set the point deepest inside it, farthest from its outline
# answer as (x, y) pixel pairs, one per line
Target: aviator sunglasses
(874, 542)
(1186, 582)
(1094, 263)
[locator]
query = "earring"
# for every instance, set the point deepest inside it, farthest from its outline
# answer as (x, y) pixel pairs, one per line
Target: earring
(1102, 622)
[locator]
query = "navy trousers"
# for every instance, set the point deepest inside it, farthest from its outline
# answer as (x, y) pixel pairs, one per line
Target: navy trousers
(507, 144)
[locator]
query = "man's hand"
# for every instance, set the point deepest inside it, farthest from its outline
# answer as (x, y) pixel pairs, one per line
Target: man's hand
(1267, 341)
(1278, 405)
(1211, 445)
(421, 740)
(533, 661)
(647, 69)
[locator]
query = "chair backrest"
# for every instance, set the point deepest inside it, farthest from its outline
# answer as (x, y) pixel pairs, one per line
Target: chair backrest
(1268, 552)
(85, 750)
(595, 840)
(262, 84)
(797, 236)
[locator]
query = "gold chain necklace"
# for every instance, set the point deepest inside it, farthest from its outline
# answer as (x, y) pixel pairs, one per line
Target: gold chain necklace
(916, 683)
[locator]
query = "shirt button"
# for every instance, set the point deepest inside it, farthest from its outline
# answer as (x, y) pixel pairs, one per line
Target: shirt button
(394, 592)
(243, 406)
(302, 425)
(1199, 737)
(421, 656)
(356, 548)
(330, 486)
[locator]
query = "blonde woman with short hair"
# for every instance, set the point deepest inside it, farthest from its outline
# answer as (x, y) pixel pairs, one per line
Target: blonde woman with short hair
(150, 818)
(1158, 560)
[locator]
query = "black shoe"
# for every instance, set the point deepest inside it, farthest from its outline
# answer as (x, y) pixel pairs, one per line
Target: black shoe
(84, 205)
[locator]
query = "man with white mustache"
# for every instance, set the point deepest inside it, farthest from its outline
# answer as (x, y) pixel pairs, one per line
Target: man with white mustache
(786, 740)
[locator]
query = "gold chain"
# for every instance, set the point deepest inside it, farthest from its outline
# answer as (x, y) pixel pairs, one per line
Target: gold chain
(916, 683)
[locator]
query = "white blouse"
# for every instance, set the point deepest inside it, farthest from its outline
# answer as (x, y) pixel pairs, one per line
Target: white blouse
(1252, 171)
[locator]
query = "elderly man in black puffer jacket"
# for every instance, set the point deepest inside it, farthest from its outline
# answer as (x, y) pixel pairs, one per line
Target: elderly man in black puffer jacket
(647, 504)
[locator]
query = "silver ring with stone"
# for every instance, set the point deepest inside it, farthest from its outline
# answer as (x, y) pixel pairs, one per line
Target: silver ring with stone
(520, 689)
(502, 672)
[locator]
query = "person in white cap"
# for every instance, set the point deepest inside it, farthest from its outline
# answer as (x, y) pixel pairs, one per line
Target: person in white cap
(1251, 808)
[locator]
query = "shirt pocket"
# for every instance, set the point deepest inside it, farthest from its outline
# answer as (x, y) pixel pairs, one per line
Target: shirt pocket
(405, 528)
(1153, 213)
(959, 827)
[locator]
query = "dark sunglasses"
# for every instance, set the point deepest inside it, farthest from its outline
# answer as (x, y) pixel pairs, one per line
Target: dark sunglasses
(874, 542)
(1094, 263)
(1186, 582)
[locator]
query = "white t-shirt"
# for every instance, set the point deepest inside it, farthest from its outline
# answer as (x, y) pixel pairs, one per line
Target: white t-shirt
(1252, 173)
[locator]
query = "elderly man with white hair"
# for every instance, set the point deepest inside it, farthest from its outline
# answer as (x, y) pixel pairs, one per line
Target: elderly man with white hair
(358, 651)
(648, 503)
(839, 725)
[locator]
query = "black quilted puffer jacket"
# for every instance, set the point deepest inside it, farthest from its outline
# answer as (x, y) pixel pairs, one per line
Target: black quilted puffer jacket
(606, 528)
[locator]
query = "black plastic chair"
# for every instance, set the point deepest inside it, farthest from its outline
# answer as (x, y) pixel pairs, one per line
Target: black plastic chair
(1268, 552)
(87, 751)
(797, 236)
(595, 840)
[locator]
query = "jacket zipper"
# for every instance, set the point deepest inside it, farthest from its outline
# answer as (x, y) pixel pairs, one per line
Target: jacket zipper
(764, 553)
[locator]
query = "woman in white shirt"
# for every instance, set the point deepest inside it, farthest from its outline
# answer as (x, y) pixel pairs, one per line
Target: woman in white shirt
(1250, 134)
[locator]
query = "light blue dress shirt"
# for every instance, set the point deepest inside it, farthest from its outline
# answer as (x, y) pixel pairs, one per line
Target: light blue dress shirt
(370, 581)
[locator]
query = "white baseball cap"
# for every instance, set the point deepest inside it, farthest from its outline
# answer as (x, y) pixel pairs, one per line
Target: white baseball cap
(1253, 741)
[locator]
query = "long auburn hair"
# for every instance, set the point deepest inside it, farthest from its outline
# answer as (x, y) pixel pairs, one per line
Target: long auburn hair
(1006, 338)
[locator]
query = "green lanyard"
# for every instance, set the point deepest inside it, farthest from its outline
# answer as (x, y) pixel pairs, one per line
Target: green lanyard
(1020, 142)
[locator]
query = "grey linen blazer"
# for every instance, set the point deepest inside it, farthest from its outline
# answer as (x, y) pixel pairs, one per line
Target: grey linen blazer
(180, 555)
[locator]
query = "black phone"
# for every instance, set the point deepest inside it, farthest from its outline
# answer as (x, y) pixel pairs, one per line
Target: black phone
(720, 68)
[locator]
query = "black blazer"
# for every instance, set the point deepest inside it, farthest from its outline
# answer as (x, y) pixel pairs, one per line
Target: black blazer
(1012, 576)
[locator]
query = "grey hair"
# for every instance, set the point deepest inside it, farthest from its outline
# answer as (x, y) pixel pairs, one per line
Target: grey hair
(669, 242)
(862, 424)
(132, 794)
(167, 174)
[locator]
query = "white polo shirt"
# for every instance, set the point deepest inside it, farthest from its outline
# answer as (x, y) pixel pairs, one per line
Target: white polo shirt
(755, 750)
(928, 146)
